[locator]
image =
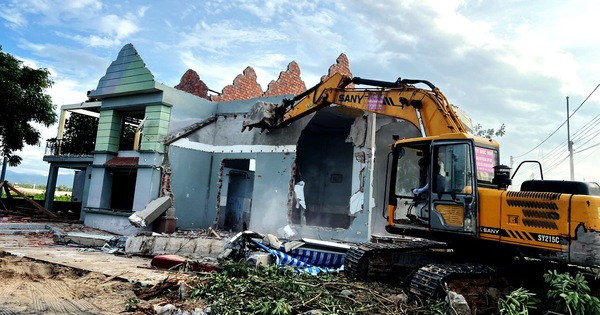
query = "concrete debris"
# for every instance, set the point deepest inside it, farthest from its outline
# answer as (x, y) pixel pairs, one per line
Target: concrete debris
(176, 262)
(272, 241)
(256, 259)
(165, 309)
(170, 309)
(24, 228)
(152, 211)
(346, 293)
(286, 232)
(187, 246)
(458, 303)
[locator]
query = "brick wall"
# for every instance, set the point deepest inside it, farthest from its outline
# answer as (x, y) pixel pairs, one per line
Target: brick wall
(190, 82)
(342, 65)
(289, 82)
(245, 85)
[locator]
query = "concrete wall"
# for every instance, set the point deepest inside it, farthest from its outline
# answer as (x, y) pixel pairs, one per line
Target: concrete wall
(78, 185)
(148, 179)
(191, 172)
(100, 183)
(196, 166)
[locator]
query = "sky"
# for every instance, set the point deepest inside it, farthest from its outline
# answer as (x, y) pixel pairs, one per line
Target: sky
(506, 62)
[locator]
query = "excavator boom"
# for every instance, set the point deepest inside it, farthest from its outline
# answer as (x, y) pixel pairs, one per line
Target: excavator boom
(429, 110)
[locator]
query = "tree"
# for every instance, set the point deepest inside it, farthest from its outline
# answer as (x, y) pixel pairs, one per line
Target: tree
(489, 133)
(23, 101)
(80, 134)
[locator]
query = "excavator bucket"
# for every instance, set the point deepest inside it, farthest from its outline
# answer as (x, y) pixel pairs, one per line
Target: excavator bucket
(261, 116)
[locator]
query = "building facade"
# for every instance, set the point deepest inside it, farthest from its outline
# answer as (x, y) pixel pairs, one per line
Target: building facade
(321, 177)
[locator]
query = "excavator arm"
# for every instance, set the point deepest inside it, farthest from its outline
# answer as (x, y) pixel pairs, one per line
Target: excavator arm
(428, 110)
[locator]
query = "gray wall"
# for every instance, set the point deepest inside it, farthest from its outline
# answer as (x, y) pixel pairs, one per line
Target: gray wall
(190, 182)
(78, 185)
(196, 162)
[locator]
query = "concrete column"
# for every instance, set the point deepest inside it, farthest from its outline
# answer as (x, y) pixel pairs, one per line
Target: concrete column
(86, 190)
(51, 187)
(146, 188)
(61, 129)
(109, 131)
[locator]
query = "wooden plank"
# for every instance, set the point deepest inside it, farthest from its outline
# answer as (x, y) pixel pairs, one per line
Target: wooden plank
(33, 203)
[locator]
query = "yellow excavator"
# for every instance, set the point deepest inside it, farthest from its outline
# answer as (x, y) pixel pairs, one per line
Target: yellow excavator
(449, 189)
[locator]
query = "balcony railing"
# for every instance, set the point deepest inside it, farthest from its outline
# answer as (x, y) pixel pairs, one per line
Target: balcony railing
(81, 147)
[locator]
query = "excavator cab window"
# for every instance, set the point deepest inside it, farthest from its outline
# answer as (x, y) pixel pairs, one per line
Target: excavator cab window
(452, 169)
(409, 171)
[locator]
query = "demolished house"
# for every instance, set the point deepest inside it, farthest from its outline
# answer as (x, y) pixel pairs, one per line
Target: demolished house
(322, 177)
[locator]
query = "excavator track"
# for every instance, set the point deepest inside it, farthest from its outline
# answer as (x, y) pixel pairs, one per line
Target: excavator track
(380, 261)
(428, 280)
(419, 264)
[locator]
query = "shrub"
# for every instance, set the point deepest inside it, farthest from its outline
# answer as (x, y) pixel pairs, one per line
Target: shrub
(572, 294)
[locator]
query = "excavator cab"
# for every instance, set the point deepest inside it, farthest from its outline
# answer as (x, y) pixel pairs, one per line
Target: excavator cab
(433, 186)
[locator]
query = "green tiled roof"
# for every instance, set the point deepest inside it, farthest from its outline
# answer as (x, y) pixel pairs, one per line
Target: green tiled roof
(127, 74)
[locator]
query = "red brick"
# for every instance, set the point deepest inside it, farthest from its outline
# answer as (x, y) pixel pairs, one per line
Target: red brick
(289, 82)
(244, 87)
(190, 82)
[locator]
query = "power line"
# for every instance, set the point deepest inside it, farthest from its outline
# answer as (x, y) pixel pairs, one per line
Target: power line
(590, 147)
(580, 134)
(564, 122)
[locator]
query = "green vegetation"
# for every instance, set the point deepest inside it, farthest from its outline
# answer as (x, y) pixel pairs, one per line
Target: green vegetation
(240, 289)
(131, 304)
(42, 197)
(518, 302)
(24, 102)
(80, 134)
(571, 294)
(489, 133)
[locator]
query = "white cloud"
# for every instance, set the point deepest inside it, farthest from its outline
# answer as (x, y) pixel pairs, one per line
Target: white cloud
(507, 61)
(225, 36)
(12, 15)
(268, 10)
(51, 12)
(118, 26)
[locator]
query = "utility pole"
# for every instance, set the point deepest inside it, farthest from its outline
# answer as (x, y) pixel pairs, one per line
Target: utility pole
(570, 144)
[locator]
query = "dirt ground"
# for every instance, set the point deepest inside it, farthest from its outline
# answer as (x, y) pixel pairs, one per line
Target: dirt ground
(31, 287)
(36, 286)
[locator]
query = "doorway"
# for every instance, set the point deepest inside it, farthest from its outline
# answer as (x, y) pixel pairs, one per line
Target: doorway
(237, 186)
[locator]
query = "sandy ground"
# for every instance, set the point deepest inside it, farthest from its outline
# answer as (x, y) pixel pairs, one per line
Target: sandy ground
(38, 277)
(31, 287)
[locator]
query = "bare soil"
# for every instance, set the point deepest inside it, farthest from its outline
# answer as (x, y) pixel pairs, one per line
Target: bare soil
(31, 287)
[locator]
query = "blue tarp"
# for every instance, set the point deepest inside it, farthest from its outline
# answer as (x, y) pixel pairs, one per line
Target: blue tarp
(283, 259)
